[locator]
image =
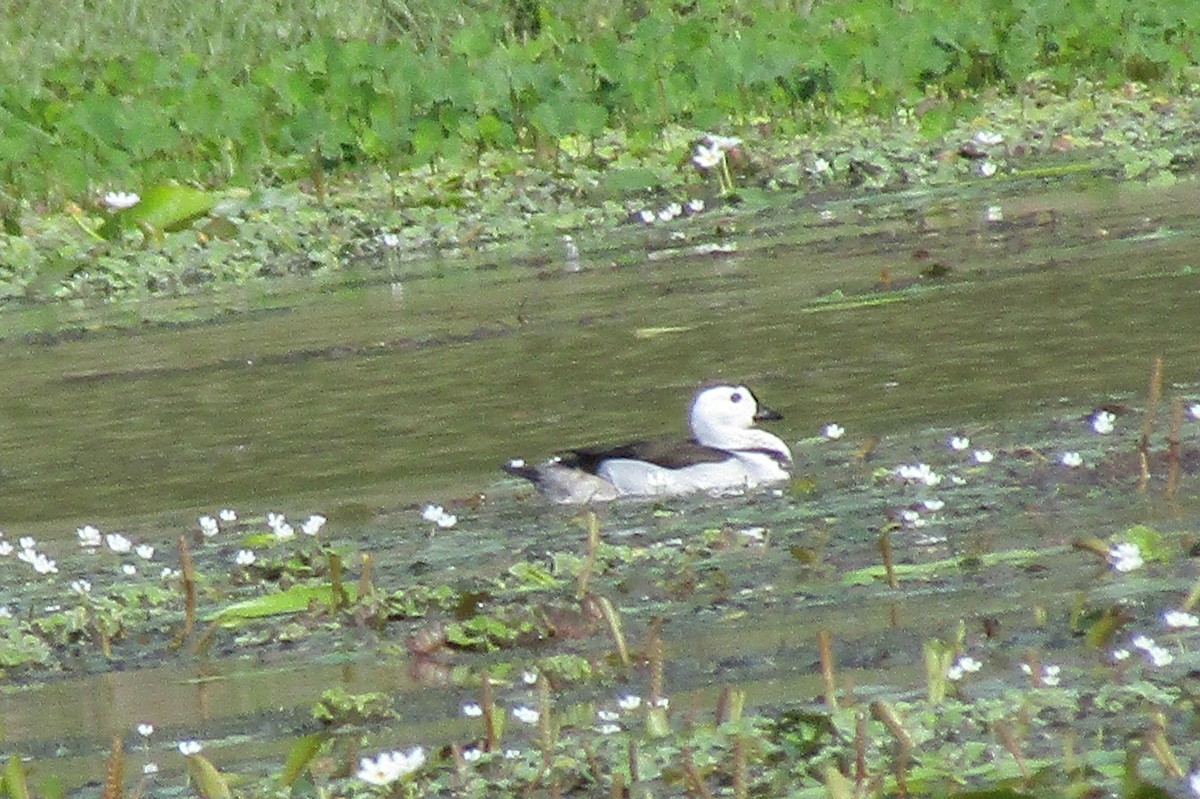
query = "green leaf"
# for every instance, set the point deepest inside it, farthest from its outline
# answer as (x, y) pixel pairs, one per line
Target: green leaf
(208, 782)
(300, 755)
(296, 599)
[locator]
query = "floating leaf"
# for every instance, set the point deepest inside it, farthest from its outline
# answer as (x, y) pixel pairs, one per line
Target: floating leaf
(296, 599)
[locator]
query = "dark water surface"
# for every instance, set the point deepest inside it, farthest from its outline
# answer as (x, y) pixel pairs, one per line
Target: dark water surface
(388, 392)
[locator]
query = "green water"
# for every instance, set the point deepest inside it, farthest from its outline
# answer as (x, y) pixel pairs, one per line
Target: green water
(379, 393)
(416, 389)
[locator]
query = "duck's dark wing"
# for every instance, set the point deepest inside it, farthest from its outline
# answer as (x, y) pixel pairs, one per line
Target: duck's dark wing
(666, 452)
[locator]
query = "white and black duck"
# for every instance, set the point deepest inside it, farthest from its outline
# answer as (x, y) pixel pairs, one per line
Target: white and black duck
(726, 453)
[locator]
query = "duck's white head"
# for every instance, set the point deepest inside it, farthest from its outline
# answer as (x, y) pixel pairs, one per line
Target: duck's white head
(723, 416)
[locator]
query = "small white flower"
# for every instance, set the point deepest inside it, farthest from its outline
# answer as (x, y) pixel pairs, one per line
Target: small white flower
(674, 210)
(993, 213)
(707, 157)
(27, 542)
(1125, 557)
(471, 754)
(129, 569)
(1157, 655)
(437, 514)
(608, 729)
(1119, 655)
(43, 565)
(1051, 675)
(819, 167)
(150, 768)
(390, 766)
(144, 551)
(81, 587)
(964, 664)
(1072, 459)
(695, 205)
(189, 748)
(208, 526)
(918, 473)
(663, 702)
(168, 573)
(526, 714)
(313, 524)
(512, 754)
(89, 536)
(756, 534)
(27, 556)
(5, 612)
(959, 443)
(284, 531)
(646, 216)
(6, 549)
(120, 200)
(245, 557)
(118, 543)
(1194, 782)
(833, 431)
(987, 138)
(390, 240)
(1179, 619)
(471, 710)
(1103, 422)
(145, 729)
(987, 169)
(1194, 410)
(529, 677)
(934, 505)
(984, 456)
(607, 715)
(227, 515)
(629, 702)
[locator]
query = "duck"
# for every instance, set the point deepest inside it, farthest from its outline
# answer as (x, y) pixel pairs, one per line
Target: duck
(726, 453)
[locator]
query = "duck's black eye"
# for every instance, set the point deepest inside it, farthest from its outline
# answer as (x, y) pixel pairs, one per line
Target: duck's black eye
(735, 397)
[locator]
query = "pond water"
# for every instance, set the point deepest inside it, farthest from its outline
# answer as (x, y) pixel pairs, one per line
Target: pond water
(369, 394)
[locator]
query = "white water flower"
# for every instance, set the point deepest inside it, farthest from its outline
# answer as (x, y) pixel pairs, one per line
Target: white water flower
(1119, 655)
(245, 557)
(629, 702)
(189, 748)
(1157, 655)
(472, 710)
(145, 729)
(390, 240)
(150, 768)
(144, 551)
(607, 715)
(608, 729)
(988, 168)
(526, 714)
(1072, 459)
(120, 200)
(1179, 619)
(964, 664)
(695, 205)
(934, 505)
(529, 677)
(43, 565)
(833, 431)
(471, 754)
(227, 515)
(1103, 422)
(208, 526)
(918, 473)
(646, 216)
(27, 542)
(390, 766)
(437, 514)
(313, 524)
(1194, 410)
(129, 569)
(959, 443)
(168, 573)
(5, 612)
(1125, 557)
(81, 587)
(707, 156)
(1194, 782)
(993, 213)
(1051, 674)
(89, 536)
(118, 543)
(984, 456)
(6, 549)
(987, 138)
